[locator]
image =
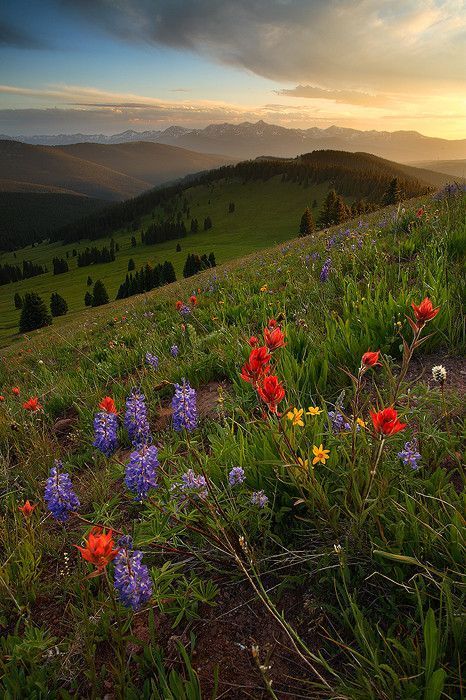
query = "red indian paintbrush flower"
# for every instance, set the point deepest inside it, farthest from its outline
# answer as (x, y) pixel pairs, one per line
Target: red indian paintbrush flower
(370, 359)
(386, 422)
(99, 549)
(2, 398)
(257, 366)
(274, 339)
(253, 341)
(27, 509)
(15, 390)
(193, 299)
(108, 404)
(271, 392)
(272, 323)
(425, 311)
(32, 404)
(179, 305)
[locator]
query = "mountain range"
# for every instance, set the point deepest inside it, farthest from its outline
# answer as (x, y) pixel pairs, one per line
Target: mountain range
(249, 140)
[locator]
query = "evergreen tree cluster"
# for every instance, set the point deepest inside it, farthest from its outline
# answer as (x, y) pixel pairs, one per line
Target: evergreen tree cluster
(34, 313)
(14, 273)
(207, 223)
(58, 306)
(195, 263)
(163, 231)
(59, 266)
(336, 211)
(93, 255)
(307, 225)
(146, 278)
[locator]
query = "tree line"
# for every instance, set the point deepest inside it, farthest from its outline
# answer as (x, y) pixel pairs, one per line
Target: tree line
(146, 278)
(14, 273)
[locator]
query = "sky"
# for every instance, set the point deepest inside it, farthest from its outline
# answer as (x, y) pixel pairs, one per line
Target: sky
(104, 66)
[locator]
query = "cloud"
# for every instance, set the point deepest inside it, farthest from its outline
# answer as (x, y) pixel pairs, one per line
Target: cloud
(369, 45)
(351, 97)
(13, 37)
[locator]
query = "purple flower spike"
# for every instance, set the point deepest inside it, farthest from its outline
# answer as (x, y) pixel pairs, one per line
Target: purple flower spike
(236, 476)
(59, 495)
(136, 422)
(132, 579)
(105, 432)
(141, 471)
(184, 407)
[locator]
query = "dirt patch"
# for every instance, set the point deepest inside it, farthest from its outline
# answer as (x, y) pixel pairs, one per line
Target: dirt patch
(420, 370)
(64, 429)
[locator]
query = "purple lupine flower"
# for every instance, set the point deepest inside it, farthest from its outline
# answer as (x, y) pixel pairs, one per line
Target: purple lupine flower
(236, 476)
(105, 432)
(315, 256)
(125, 542)
(59, 494)
(338, 421)
(325, 272)
(409, 455)
(258, 498)
(195, 482)
(136, 422)
(152, 360)
(174, 351)
(132, 579)
(184, 311)
(184, 407)
(141, 471)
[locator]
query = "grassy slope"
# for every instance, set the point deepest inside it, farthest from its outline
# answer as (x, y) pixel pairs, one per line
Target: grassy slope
(398, 570)
(266, 213)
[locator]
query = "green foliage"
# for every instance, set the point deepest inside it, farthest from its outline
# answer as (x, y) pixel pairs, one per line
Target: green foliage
(34, 313)
(58, 306)
(99, 294)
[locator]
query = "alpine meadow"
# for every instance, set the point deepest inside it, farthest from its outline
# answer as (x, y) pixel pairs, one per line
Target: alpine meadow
(232, 350)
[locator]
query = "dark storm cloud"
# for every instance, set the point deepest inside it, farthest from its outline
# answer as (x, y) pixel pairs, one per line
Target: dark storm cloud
(370, 44)
(14, 37)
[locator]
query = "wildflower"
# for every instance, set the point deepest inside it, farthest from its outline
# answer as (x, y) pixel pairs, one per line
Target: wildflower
(184, 407)
(132, 580)
(409, 455)
(439, 373)
(152, 360)
(325, 272)
(136, 422)
(27, 509)
(178, 305)
(32, 404)
(272, 323)
(253, 341)
(174, 351)
(257, 366)
(360, 422)
(99, 549)
(193, 299)
(105, 432)
(59, 495)
(15, 390)
(236, 476)
(320, 455)
(370, 359)
(264, 288)
(2, 398)
(185, 310)
(271, 392)
(274, 339)
(296, 416)
(303, 463)
(386, 422)
(419, 213)
(424, 312)
(141, 471)
(258, 498)
(313, 411)
(108, 404)
(196, 482)
(338, 422)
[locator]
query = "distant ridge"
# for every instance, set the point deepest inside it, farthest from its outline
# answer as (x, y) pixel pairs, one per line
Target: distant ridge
(249, 140)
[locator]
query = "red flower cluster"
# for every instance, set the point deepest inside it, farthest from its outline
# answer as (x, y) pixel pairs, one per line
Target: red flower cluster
(257, 369)
(108, 404)
(386, 422)
(370, 359)
(27, 509)
(32, 404)
(15, 390)
(99, 549)
(424, 312)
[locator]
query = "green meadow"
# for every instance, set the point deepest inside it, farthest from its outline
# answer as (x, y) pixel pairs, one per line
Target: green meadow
(266, 213)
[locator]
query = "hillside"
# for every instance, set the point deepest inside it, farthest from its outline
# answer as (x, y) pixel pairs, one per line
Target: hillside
(245, 498)
(453, 168)
(249, 140)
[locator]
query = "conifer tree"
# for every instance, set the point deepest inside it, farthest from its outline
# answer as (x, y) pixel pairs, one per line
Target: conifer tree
(393, 193)
(88, 299)
(89, 281)
(58, 306)
(307, 225)
(34, 313)
(99, 295)
(131, 265)
(18, 301)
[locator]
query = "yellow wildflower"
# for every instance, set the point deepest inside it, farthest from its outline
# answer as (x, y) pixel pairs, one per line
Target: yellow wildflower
(264, 288)
(303, 463)
(313, 411)
(296, 416)
(360, 422)
(320, 455)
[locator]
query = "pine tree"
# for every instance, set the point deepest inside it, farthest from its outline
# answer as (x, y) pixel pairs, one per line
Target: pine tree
(88, 299)
(34, 313)
(340, 211)
(231, 207)
(18, 301)
(207, 223)
(99, 295)
(307, 225)
(393, 193)
(178, 248)
(133, 242)
(328, 210)
(89, 281)
(212, 262)
(58, 305)
(131, 265)
(168, 272)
